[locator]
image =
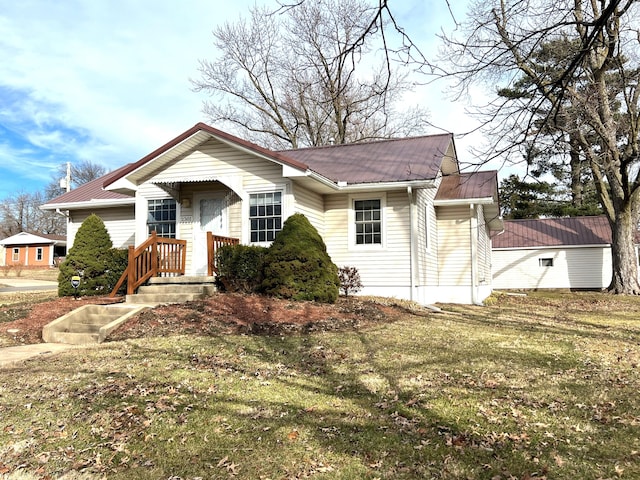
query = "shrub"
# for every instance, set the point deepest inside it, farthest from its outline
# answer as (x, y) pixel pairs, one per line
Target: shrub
(349, 280)
(94, 259)
(297, 264)
(240, 267)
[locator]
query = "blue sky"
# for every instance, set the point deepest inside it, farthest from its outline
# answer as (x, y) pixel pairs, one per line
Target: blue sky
(108, 80)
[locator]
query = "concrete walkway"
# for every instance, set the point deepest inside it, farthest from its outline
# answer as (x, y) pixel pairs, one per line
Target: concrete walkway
(12, 284)
(13, 356)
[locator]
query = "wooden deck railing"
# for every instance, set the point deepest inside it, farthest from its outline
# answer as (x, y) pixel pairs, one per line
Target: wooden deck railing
(156, 256)
(214, 242)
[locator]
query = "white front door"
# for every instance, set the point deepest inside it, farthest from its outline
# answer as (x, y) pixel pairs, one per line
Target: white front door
(209, 216)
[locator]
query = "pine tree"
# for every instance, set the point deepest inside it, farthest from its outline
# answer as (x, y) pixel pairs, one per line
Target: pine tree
(92, 257)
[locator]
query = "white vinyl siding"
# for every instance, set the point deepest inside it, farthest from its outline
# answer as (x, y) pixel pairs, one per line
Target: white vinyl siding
(427, 237)
(119, 222)
(383, 267)
(215, 167)
(454, 246)
(579, 267)
(311, 205)
(484, 249)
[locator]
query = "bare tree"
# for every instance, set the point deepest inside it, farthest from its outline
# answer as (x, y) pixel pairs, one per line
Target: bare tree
(81, 172)
(306, 76)
(593, 101)
(21, 213)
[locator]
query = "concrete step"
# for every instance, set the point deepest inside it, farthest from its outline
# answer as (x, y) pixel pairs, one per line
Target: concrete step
(89, 323)
(182, 280)
(162, 298)
(74, 338)
(81, 327)
(204, 289)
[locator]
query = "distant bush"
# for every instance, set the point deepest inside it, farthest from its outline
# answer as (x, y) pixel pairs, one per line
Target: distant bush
(349, 280)
(297, 264)
(94, 259)
(240, 267)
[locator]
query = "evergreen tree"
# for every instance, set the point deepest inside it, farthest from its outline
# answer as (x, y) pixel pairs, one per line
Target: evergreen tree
(93, 258)
(297, 265)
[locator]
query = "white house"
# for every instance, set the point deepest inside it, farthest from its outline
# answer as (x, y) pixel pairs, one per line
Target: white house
(572, 253)
(398, 210)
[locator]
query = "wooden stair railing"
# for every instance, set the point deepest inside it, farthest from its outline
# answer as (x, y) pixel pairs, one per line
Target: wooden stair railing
(214, 242)
(156, 256)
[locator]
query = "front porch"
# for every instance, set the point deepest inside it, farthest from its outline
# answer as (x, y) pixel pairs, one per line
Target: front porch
(165, 257)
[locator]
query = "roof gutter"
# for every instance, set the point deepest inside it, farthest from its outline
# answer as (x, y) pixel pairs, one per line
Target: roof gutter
(464, 201)
(341, 186)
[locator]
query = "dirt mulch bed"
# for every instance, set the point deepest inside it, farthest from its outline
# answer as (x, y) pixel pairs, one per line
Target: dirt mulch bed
(216, 315)
(29, 318)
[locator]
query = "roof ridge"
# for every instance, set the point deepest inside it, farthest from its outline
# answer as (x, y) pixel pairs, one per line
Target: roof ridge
(370, 142)
(552, 218)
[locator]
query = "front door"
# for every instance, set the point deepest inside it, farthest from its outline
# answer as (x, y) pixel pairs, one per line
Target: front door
(210, 216)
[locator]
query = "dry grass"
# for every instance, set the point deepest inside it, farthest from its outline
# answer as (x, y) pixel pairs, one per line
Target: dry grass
(543, 386)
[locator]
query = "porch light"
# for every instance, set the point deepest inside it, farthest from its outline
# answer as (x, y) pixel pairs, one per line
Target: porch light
(186, 202)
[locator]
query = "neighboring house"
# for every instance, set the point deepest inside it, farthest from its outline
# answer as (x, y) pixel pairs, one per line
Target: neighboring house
(33, 250)
(572, 252)
(398, 210)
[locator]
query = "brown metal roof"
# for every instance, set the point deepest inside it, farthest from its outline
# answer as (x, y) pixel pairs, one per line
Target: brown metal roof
(554, 232)
(92, 191)
(395, 160)
(468, 186)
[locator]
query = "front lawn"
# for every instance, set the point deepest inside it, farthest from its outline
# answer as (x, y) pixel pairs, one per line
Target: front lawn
(543, 386)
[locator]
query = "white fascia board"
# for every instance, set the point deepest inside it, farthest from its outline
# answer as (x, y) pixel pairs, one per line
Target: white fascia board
(370, 187)
(122, 184)
(289, 171)
(102, 203)
(552, 247)
(464, 201)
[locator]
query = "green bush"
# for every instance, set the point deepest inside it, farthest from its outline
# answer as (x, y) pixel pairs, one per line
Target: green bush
(297, 264)
(94, 259)
(240, 267)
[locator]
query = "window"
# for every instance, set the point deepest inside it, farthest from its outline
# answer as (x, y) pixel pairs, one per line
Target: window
(39, 255)
(162, 217)
(368, 221)
(545, 262)
(265, 216)
(16, 255)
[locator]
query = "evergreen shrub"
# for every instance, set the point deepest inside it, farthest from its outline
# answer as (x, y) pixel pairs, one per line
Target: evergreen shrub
(94, 259)
(240, 267)
(297, 264)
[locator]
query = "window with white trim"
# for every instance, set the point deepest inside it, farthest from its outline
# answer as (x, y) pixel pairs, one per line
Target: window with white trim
(368, 221)
(265, 216)
(161, 217)
(16, 255)
(545, 262)
(39, 254)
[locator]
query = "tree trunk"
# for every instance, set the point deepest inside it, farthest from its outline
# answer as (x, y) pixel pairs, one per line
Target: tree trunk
(623, 256)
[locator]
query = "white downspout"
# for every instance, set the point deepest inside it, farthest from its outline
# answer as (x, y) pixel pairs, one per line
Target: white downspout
(411, 243)
(474, 253)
